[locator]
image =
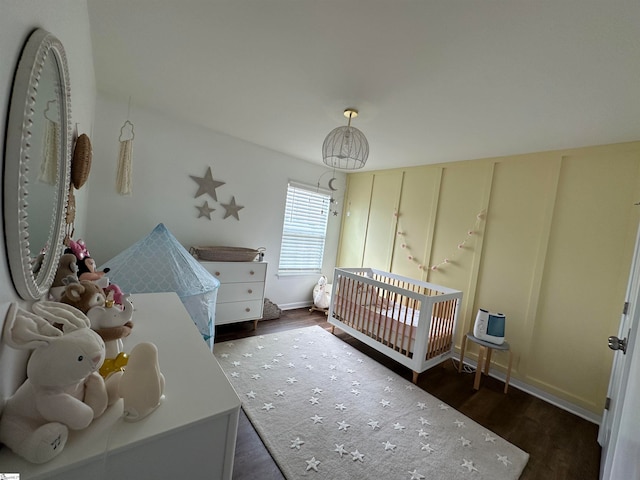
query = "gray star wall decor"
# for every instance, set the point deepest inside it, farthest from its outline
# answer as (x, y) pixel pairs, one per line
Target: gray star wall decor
(207, 185)
(231, 209)
(205, 210)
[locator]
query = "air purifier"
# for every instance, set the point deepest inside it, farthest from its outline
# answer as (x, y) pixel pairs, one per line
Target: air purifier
(489, 327)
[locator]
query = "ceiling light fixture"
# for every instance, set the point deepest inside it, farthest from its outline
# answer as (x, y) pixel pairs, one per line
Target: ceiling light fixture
(346, 148)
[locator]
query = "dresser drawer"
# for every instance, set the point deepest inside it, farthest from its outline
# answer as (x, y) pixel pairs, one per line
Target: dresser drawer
(234, 272)
(238, 311)
(235, 292)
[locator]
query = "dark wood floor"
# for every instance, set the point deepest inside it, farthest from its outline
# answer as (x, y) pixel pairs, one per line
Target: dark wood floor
(561, 445)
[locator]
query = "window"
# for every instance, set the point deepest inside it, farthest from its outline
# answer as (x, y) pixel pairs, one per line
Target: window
(305, 228)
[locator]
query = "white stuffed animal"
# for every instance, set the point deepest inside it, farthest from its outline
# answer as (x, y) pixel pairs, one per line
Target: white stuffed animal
(322, 294)
(63, 389)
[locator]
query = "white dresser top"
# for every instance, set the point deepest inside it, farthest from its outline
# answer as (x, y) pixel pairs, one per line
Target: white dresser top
(196, 390)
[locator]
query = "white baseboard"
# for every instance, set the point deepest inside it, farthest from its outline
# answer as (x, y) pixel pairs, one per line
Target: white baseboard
(291, 306)
(541, 394)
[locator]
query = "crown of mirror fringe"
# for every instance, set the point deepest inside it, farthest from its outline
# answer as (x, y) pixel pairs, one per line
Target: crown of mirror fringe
(346, 147)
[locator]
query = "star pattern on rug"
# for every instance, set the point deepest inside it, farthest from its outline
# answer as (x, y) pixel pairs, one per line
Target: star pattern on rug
(357, 456)
(389, 446)
(415, 475)
(313, 464)
(374, 424)
(340, 449)
(343, 425)
(297, 443)
(349, 413)
(426, 447)
(468, 465)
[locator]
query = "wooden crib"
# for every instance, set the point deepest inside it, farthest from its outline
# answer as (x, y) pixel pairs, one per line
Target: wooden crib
(410, 321)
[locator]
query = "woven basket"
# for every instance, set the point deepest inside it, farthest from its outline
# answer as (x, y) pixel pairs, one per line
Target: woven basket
(81, 162)
(225, 254)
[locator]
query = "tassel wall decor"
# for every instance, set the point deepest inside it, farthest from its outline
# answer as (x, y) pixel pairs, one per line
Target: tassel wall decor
(123, 178)
(49, 166)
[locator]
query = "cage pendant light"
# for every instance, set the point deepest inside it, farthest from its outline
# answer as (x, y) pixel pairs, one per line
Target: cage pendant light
(346, 147)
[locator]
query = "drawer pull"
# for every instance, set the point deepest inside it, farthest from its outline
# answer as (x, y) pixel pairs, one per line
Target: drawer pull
(247, 309)
(217, 274)
(249, 291)
(252, 272)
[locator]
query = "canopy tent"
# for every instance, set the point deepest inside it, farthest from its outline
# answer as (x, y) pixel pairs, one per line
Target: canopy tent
(159, 263)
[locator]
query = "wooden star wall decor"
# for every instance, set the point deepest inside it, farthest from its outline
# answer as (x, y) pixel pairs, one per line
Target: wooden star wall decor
(207, 185)
(205, 210)
(231, 209)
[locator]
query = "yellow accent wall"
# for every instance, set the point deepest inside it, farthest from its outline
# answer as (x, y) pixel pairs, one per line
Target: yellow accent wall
(548, 239)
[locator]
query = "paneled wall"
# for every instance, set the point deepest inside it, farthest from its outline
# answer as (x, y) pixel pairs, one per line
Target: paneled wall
(545, 238)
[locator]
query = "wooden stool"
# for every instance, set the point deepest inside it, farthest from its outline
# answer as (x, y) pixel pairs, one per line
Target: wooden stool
(487, 347)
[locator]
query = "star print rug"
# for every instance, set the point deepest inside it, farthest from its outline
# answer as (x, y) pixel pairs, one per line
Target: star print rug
(324, 410)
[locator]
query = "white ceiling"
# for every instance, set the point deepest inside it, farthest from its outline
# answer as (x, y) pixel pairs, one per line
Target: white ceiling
(435, 81)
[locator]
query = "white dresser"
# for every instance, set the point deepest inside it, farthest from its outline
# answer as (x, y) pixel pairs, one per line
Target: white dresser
(241, 293)
(191, 435)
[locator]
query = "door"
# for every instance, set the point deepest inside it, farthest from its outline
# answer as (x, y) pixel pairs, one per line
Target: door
(619, 431)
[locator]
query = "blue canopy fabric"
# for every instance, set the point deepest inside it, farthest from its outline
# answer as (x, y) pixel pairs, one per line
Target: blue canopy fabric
(159, 263)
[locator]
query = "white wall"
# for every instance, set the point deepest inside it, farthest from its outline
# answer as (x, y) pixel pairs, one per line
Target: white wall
(166, 151)
(68, 20)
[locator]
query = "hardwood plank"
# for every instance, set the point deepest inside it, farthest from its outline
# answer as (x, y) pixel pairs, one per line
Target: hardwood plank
(561, 445)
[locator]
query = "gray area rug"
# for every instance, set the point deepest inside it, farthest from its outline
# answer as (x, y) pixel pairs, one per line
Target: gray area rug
(324, 410)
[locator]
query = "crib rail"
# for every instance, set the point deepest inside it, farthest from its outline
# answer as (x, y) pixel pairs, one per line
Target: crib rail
(411, 321)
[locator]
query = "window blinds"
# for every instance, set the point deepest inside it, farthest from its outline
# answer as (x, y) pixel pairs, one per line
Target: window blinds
(305, 228)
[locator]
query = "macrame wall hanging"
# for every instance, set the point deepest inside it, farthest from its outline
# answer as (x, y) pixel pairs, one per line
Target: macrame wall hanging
(49, 166)
(123, 176)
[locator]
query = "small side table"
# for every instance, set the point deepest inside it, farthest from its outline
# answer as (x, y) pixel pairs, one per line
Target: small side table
(485, 347)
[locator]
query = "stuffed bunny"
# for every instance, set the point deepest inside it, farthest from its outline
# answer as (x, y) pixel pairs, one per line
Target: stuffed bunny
(63, 389)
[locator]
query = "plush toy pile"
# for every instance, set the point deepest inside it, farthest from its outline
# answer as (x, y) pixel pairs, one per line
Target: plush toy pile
(77, 367)
(77, 283)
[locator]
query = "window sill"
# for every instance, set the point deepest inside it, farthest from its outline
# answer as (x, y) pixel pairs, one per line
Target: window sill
(297, 274)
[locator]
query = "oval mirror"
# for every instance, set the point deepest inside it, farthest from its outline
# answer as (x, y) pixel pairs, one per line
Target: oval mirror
(37, 164)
